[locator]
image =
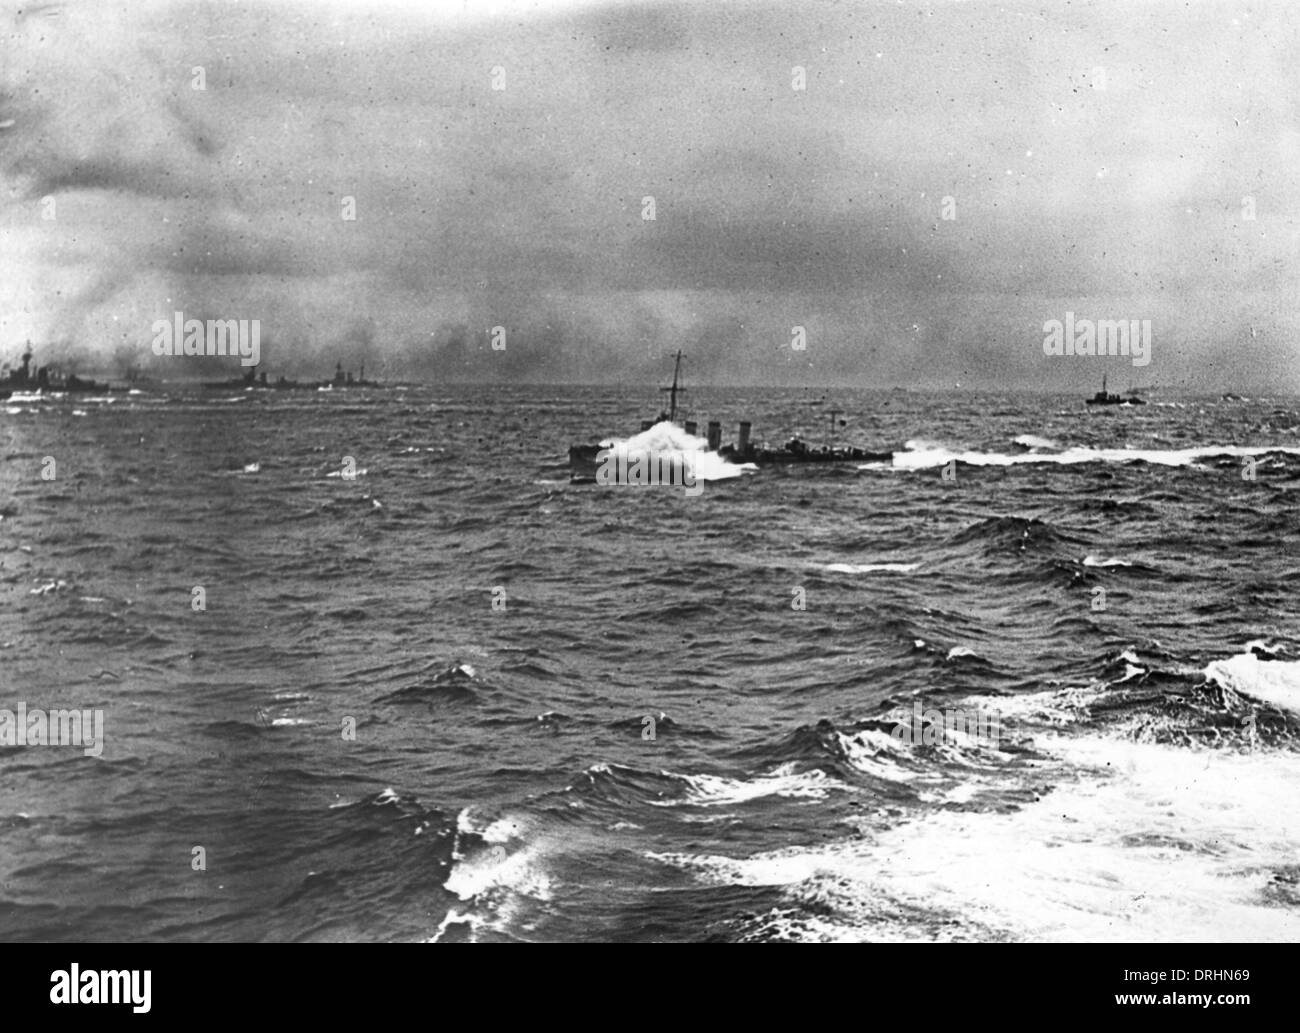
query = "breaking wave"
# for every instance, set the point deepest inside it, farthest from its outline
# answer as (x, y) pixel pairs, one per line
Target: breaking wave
(667, 443)
(919, 455)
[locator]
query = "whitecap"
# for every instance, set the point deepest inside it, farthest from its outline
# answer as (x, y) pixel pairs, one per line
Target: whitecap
(1098, 561)
(869, 568)
(1136, 842)
(715, 790)
(933, 456)
(1269, 681)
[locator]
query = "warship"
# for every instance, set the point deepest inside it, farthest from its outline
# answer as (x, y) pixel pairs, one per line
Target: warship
(584, 459)
(254, 380)
(1102, 398)
(47, 380)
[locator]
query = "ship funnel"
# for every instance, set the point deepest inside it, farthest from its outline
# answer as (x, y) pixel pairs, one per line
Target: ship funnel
(692, 427)
(647, 424)
(742, 437)
(715, 435)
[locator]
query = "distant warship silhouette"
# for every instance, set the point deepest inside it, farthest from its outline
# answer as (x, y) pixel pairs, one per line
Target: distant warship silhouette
(255, 380)
(48, 380)
(1102, 398)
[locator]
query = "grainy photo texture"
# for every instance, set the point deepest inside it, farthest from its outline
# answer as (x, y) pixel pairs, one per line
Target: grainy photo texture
(610, 471)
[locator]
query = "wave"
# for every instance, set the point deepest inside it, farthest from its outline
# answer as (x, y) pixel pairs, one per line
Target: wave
(628, 785)
(997, 534)
(1106, 835)
(665, 442)
(926, 456)
(1098, 561)
(499, 869)
(785, 781)
(1147, 843)
(1276, 682)
(868, 568)
(457, 682)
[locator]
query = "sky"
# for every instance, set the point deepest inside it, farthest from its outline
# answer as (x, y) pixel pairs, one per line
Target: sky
(949, 178)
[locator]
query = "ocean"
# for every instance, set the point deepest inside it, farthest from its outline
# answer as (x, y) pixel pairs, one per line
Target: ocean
(371, 669)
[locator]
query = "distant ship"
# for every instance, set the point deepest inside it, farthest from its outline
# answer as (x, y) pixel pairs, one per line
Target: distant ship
(1102, 398)
(252, 380)
(47, 380)
(342, 379)
(583, 459)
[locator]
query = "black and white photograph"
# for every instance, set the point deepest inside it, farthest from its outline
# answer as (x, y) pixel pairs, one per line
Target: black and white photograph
(650, 471)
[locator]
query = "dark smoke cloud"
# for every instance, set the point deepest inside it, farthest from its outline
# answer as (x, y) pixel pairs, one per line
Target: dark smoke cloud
(775, 208)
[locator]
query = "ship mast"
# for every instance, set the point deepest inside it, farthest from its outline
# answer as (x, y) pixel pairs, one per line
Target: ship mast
(672, 391)
(832, 414)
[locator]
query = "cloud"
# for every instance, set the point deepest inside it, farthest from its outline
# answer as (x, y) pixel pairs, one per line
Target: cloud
(774, 207)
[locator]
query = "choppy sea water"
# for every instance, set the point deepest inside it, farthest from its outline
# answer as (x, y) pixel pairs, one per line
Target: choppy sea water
(645, 739)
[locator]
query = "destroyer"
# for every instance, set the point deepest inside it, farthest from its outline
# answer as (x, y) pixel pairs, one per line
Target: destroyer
(1102, 398)
(584, 459)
